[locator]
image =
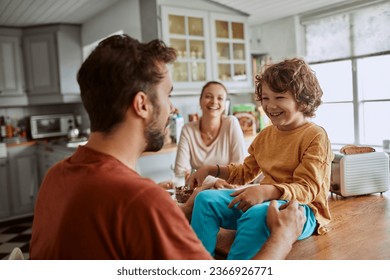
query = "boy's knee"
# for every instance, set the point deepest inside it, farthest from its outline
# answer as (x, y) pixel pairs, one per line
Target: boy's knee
(203, 197)
(256, 212)
(215, 198)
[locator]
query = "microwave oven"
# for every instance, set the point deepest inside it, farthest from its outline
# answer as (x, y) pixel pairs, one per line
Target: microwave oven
(45, 126)
(360, 174)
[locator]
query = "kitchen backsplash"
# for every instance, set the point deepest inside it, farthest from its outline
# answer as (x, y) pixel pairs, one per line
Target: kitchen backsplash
(19, 113)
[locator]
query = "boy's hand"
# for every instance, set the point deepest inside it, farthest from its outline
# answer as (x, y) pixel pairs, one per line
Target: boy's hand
(197, 178)
(247, 197)
(222, 184)
(250, 196)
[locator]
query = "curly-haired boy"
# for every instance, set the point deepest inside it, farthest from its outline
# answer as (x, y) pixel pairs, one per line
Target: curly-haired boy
(293, 154)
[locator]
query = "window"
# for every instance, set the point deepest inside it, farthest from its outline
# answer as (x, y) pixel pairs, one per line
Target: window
(350, 54)
(336, 114)
(374, 96)
(360, 117)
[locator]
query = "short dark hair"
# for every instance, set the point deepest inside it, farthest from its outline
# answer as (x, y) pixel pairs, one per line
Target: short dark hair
(114, 72)
(212, 83)
(292, 75)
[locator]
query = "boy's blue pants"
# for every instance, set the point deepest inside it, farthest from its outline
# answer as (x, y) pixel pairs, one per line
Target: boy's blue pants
(211, 212)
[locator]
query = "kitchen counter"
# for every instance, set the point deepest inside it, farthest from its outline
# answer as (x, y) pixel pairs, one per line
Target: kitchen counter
(154, 165)
(58, 146)
(63, 145)
(22, 143)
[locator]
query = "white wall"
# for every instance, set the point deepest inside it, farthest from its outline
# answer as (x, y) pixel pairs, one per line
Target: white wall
(280, 38)
(124, 15)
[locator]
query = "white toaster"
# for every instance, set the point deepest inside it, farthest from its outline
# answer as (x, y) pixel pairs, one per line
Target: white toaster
(360, 174)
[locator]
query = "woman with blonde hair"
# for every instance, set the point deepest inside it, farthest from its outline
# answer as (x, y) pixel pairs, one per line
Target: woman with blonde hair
(215, 138)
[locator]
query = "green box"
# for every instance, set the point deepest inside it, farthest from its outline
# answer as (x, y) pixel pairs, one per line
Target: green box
(245, 107)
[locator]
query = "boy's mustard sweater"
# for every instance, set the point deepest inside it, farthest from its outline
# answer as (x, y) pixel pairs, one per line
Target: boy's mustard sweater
(297, 162)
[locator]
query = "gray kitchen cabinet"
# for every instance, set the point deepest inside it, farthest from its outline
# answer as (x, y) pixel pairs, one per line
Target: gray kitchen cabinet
(4, 197)
(11, 70)
(23, 179)
(53, 55)
(50, 155)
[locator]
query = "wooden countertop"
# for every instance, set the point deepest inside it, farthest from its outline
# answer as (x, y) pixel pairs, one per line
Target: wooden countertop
(23, 143)
(358, 231)
(168, 148)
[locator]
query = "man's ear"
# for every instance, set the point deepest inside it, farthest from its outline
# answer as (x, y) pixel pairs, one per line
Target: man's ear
(141, 104)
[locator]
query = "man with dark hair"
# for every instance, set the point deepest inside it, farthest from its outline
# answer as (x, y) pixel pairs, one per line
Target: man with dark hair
(94, 205)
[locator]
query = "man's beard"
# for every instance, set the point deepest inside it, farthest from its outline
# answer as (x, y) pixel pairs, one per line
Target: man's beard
(155, 139)
(154, 135)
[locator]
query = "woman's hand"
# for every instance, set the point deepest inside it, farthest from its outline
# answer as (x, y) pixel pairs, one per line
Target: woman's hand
(247, 197)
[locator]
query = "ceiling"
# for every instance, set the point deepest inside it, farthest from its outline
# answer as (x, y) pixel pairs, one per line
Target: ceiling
(19, 13)
(261, 11)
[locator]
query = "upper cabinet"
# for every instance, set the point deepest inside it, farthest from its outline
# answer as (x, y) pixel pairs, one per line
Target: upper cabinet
(53, 55)
(187, 31)
(230, 46)
(11, 72)
(210, 46)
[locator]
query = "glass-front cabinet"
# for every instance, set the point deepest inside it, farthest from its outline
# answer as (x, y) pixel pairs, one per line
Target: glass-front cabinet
(209, 46)
(229, 41)
(187, 32)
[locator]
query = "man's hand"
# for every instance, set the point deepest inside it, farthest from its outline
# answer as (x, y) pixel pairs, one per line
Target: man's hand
(286, 222)
(286, 225)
